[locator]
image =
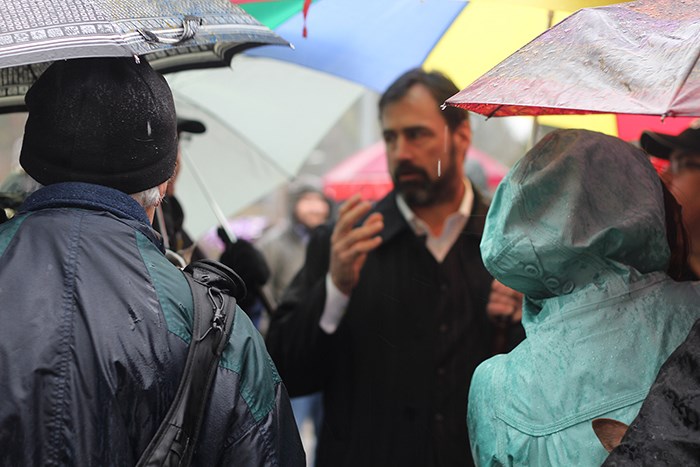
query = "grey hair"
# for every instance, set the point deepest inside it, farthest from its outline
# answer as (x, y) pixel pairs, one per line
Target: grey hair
(148, 198)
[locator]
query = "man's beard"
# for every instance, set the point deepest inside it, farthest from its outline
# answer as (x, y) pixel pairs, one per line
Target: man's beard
(421, 191)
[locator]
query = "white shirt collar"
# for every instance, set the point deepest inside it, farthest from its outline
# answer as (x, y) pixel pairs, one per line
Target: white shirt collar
(455, 222)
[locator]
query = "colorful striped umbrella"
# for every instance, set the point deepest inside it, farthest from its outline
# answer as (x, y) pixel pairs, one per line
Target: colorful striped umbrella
(274, 13)
(371, 42)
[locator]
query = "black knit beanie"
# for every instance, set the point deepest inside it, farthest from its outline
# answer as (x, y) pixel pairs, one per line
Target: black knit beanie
(107, 121)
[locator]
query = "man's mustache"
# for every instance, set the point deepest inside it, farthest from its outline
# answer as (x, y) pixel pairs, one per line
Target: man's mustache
(406, 168)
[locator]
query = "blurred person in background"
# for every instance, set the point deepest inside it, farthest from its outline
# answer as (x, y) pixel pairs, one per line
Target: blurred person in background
(284, 244)
(14, 189)
(284, 248)
(682, 177)
(170, 212)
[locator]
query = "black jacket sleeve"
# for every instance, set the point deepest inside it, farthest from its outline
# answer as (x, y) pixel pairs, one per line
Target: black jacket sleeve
(300, 349)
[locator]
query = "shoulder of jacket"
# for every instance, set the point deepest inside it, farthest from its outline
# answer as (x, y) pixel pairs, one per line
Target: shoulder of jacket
(247, 356)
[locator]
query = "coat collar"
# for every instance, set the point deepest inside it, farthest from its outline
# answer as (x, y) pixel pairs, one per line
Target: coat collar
(86, 196)
(395, 223)
(96, 198)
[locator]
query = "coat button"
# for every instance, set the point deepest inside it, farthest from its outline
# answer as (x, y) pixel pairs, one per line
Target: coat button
(568, 287)
(552, 283)
(531, 270)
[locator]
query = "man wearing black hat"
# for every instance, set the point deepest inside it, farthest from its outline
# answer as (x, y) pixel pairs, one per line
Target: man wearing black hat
(240, 255)
(170, 214)
(683, 180)
(96, 321)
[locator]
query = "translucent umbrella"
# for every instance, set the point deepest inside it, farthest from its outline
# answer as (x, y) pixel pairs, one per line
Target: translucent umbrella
(172, 34)
(263, 119)
(633, 58)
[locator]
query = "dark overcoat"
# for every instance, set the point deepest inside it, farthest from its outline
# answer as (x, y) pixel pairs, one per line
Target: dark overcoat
(396, 373)
(96, 328)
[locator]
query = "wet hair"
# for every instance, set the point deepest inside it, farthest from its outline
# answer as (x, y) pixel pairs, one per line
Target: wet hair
(677, 237)
(440, 86)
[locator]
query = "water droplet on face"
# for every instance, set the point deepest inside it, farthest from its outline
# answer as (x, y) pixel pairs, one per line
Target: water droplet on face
(445, 136)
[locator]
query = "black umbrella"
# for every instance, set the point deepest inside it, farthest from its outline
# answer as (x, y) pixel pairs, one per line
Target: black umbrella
(172, 35)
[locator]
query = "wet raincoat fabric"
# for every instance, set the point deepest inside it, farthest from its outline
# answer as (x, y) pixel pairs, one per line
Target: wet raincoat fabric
(667, 429)
(578, 227)
(96, 327)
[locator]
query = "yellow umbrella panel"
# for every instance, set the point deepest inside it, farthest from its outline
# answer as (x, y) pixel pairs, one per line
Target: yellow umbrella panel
(488, 31)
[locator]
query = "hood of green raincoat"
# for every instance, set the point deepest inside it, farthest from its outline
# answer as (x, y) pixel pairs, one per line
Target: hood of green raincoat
(578, 206)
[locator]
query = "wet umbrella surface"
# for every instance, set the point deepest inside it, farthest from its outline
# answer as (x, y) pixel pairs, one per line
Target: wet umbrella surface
(632, 58)
(172, 35)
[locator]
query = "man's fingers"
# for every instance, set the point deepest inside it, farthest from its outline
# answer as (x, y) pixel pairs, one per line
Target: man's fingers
(494, 309)
(498, 287)
(359, 249)
(504, 301)
(349, 214)
(500, 298)
(349, 204)
(369, 229)
(351, 243)
(500, 291)
(374, 217)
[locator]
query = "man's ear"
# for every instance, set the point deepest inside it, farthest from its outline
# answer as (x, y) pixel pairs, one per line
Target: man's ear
(609, 432)
(163, 188)
(463, 135)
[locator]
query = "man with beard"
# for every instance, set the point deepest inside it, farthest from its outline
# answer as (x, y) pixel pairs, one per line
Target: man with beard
(388, 315)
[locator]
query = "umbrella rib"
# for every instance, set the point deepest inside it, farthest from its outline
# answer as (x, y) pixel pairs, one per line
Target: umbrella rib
(245, 139)
(500, 106)
(686, 75)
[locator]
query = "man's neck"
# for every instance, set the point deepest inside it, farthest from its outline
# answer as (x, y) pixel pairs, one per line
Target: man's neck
(436, 215)
(150, 213)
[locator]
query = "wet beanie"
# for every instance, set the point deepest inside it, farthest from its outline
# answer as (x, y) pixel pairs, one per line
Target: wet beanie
(107, 121)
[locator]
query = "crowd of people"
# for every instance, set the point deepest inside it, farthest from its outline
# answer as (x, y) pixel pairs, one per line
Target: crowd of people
(435, 327)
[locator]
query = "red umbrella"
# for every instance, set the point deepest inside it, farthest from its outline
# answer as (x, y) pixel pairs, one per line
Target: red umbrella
(366, 172)
(630, 127)
(631, 58)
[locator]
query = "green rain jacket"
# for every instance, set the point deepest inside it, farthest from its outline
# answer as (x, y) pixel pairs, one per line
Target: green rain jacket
(578, 227)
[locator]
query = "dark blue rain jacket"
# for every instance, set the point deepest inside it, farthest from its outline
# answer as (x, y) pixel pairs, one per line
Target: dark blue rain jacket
(95, 329)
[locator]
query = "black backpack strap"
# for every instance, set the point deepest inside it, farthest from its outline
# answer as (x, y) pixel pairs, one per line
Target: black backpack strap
(215, 289)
